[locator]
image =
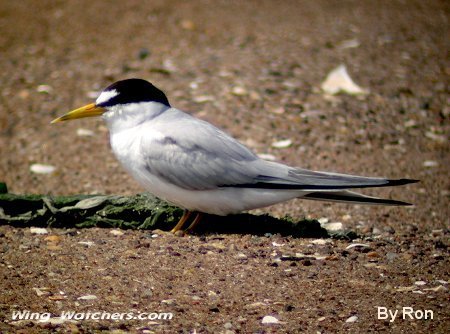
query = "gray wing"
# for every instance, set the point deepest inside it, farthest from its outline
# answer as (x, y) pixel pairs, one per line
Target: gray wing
(194, 154)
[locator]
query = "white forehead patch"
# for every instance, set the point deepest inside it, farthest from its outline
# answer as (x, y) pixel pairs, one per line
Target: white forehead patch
(106, 96)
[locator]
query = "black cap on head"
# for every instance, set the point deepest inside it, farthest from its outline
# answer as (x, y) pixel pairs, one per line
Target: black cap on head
(134, 91)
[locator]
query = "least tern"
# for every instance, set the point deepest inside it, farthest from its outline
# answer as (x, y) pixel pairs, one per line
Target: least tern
(194, 165)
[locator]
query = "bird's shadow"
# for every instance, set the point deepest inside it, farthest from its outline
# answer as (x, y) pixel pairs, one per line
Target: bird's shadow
(266, 225)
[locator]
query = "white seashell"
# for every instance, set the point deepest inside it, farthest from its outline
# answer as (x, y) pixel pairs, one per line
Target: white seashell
(338, 81)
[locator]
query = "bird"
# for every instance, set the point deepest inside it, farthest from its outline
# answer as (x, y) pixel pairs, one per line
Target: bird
(194, 165)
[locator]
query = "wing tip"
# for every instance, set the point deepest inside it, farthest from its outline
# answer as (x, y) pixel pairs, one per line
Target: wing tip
(336, 197)
(400, 182)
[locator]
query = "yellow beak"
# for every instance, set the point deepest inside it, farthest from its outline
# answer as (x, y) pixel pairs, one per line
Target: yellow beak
(90, 110)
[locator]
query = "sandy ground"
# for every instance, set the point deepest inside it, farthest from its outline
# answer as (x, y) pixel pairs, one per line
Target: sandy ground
(253, 68)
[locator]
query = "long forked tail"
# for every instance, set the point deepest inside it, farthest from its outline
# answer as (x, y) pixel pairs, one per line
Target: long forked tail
(346, 196)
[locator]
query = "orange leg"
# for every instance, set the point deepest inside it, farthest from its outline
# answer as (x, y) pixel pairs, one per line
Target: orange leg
(182, 221)
(194, 223)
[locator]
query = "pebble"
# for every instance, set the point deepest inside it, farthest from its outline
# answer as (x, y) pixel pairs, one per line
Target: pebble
(349, 44)
(410, 123)
(228, 325)
(187, 24)
(420, 283)
(275, 244)
(255, 305)
(168, 301)
(337, 226)
(239, 91)
(321, 241)
(53, 238)
(268, 319)
(267, 156)
(40, 293)
(147, 293)
(93, 94)
(38, 230)
(87, 297)
(116, 232)
(391, 256)
(86, 243)
(84, 132)
(353, 318)
(45, 89)
(358, 246)
(435, 137)
(42, 169)
(203, 98)
(430, 163)
(278, 111)
(373, 254)
(282, 143)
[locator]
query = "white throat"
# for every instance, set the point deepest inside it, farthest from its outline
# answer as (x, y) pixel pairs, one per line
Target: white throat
(126, 116)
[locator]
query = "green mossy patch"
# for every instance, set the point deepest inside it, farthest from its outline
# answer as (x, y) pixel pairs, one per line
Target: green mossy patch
(142, 211)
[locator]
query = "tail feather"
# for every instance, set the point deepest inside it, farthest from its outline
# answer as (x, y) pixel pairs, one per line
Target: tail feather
(351, 197)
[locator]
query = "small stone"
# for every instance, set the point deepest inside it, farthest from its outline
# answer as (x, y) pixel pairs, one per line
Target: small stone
(420, 283)
(349, 44)
(40, 292)
(241, 256)
(278, 111)
(239, 91)
(42, 169)
(282, 143)
(38, 230)
(87, 297)
(373, 254)
(168, 301)
(84, 132)
(148, 293)
(116, 232)
(268, 320)
(187, 24)
(337, 226)
(275, 244)
(410, 123)
(203, 98)
(44, 89)
(255, 305)
(321, 241)
(391, 256)
(53, 238)
(353, 318)
(358, 246)
(430, 163)
(267, 156)
(228, 325)
(436, 137)
(86, 243)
